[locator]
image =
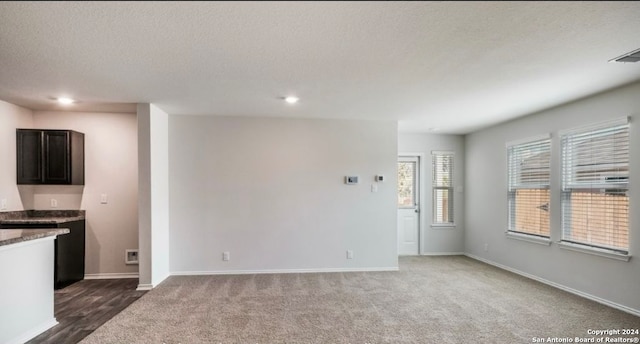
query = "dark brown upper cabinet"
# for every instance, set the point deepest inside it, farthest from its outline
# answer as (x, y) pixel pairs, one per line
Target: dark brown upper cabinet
(54, 157)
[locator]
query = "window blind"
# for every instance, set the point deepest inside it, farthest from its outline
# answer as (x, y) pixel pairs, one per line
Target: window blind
(442, 182)
(595, 183)
(529, 174)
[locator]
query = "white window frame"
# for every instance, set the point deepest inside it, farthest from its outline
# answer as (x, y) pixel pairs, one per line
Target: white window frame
(570, 183)
(435, 188)
(513, 184)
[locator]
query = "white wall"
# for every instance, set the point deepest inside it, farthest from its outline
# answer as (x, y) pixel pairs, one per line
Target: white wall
(110, 168)
(11, 117)
(271, 192)
(437, 240)
(486, 201)
(160, 194)
(153, 167)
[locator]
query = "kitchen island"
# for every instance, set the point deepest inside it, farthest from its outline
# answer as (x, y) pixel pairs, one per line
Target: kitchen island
(69, 249)
(26, 287)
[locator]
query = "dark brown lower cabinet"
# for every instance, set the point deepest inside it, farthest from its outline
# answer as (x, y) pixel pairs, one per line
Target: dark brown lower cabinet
(69, 250)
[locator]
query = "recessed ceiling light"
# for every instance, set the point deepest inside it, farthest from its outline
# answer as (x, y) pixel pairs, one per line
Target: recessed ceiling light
(65, 100)
(291, 99)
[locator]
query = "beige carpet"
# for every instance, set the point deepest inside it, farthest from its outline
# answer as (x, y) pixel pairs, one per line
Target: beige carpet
(431, 300)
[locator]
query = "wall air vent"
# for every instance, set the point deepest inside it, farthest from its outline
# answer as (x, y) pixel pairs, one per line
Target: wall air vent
(633, 56)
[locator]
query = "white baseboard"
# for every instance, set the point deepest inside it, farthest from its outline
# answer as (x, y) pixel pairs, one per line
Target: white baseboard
(36, 330)
(280, 271)
(559, 286)
(144, 287)
(443, 254)
(160, 280)
(111, 275)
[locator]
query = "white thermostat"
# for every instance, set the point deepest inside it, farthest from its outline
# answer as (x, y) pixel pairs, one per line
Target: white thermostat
(351, 180)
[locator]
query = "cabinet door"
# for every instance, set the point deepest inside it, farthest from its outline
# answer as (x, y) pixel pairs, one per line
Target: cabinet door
(56, 157)
(70, 254)
(29, 154)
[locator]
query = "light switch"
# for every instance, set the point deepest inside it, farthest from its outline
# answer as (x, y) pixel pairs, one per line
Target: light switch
(374, 188)
(54, 203)
(103, 199)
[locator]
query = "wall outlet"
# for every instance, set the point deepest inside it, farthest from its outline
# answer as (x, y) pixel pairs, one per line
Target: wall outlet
(3, 204)
(349, 254)
(486, 247)
(131, 257)
(54, 203)
(226, 256)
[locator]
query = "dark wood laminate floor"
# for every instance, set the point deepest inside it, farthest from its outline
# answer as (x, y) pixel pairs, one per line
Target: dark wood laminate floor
(84, 306)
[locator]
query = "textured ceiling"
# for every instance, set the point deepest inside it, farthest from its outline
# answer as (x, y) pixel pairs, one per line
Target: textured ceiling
(455, 66)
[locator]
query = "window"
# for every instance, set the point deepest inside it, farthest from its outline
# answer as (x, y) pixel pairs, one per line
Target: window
(595, 183)
(442, 163)
(529, 169)
(407, 169)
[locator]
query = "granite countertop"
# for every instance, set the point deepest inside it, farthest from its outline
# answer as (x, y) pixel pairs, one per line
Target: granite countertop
(41, 216)
(14, 236)
(42, 220)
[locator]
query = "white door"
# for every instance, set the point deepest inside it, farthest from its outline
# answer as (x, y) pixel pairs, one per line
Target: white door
(408, 205)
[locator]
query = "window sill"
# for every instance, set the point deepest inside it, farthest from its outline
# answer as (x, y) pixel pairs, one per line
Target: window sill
(443, 225)
(595, 251)
(529, 238)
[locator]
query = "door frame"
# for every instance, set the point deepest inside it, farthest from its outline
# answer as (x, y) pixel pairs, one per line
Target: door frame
(422, 200)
